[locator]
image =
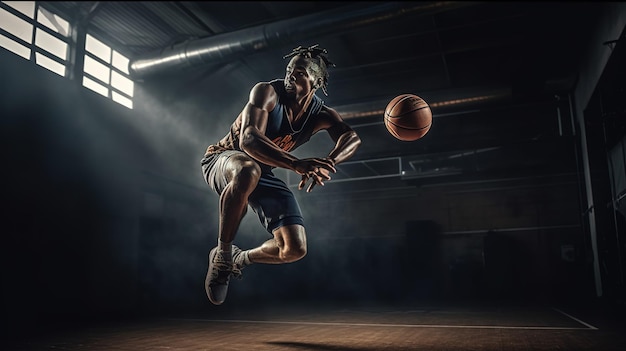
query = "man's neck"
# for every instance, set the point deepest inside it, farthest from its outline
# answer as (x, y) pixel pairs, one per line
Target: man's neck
(300, 104)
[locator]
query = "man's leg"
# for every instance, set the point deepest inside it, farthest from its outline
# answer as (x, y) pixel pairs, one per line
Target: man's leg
(288, 245)
(242, 175)
(279, 212)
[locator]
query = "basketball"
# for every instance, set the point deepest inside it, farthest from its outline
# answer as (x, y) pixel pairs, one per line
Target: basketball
(408, 117)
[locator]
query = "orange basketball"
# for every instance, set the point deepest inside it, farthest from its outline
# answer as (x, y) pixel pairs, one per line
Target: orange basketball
(408, 117)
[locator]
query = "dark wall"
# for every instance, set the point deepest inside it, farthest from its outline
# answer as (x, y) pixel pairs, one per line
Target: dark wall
(81, 177)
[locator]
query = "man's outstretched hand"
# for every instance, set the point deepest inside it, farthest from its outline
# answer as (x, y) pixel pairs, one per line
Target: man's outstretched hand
(317, 169)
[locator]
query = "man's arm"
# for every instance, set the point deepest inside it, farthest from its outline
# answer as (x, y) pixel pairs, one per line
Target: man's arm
(253, 123)
(254, 142)
(345, 138)
(346, 143)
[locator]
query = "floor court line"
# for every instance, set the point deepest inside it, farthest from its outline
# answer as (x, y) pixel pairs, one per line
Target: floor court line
(576, 319)
(391, 325)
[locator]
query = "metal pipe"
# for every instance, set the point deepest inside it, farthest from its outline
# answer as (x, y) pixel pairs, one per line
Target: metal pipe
(233, 45)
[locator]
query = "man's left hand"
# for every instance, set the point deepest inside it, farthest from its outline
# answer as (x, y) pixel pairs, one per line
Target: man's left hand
(319, 172)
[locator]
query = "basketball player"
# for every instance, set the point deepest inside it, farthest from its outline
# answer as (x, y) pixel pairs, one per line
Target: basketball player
(280, 115)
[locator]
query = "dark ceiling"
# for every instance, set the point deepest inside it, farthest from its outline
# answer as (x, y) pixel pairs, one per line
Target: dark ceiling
(422, 47)
(459, 56)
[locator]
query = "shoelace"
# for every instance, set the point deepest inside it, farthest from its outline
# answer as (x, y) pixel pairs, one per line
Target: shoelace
(236, 272)
(224, 270)
(221, 271)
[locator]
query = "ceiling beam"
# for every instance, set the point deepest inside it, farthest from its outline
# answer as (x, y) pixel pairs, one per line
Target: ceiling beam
(234, 45)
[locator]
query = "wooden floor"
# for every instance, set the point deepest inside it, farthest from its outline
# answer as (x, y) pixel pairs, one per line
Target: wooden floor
(350, 328)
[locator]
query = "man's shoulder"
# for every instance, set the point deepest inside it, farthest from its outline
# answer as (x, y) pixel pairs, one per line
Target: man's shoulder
(276, 81)
(270, 83)
(278, 86)
(327, 110)
(265, 94)
(327, 117)
(263, 85)
(272, 86)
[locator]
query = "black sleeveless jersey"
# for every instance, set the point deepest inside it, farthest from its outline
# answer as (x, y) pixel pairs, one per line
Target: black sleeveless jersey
(278, 129)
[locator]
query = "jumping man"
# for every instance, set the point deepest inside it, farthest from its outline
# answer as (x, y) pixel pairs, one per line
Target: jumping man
(279, 116)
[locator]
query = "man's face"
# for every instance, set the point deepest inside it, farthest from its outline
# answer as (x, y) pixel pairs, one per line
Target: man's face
(299, 78)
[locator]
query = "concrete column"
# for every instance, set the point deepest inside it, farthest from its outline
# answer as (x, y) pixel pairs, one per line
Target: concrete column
(609, 27)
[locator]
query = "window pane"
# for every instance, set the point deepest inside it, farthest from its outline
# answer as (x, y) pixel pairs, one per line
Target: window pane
(51, 44)
(96, 47)
(97, 87)
(15, 47)
(50, 64)
(120, 62)
(122, 83)
(121, 99)
(53, 22)
(16, 26)
(97, 69)
(25, 7)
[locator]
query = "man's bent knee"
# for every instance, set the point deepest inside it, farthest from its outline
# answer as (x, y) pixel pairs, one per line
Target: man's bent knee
(245, 175)
(293, 253)
(291, 240)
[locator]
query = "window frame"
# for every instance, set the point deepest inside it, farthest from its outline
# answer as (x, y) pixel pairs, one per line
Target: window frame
(111, 68)
(36, 26)
(120, 89)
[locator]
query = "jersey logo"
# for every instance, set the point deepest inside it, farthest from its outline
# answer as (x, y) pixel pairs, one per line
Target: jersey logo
(284, 142)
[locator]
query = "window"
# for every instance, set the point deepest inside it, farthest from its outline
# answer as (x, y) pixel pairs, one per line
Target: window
(106, 72)
(34, 33)
(38, 35)
(16, 32)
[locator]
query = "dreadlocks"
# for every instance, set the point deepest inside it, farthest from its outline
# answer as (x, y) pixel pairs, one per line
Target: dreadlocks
(318, 56)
